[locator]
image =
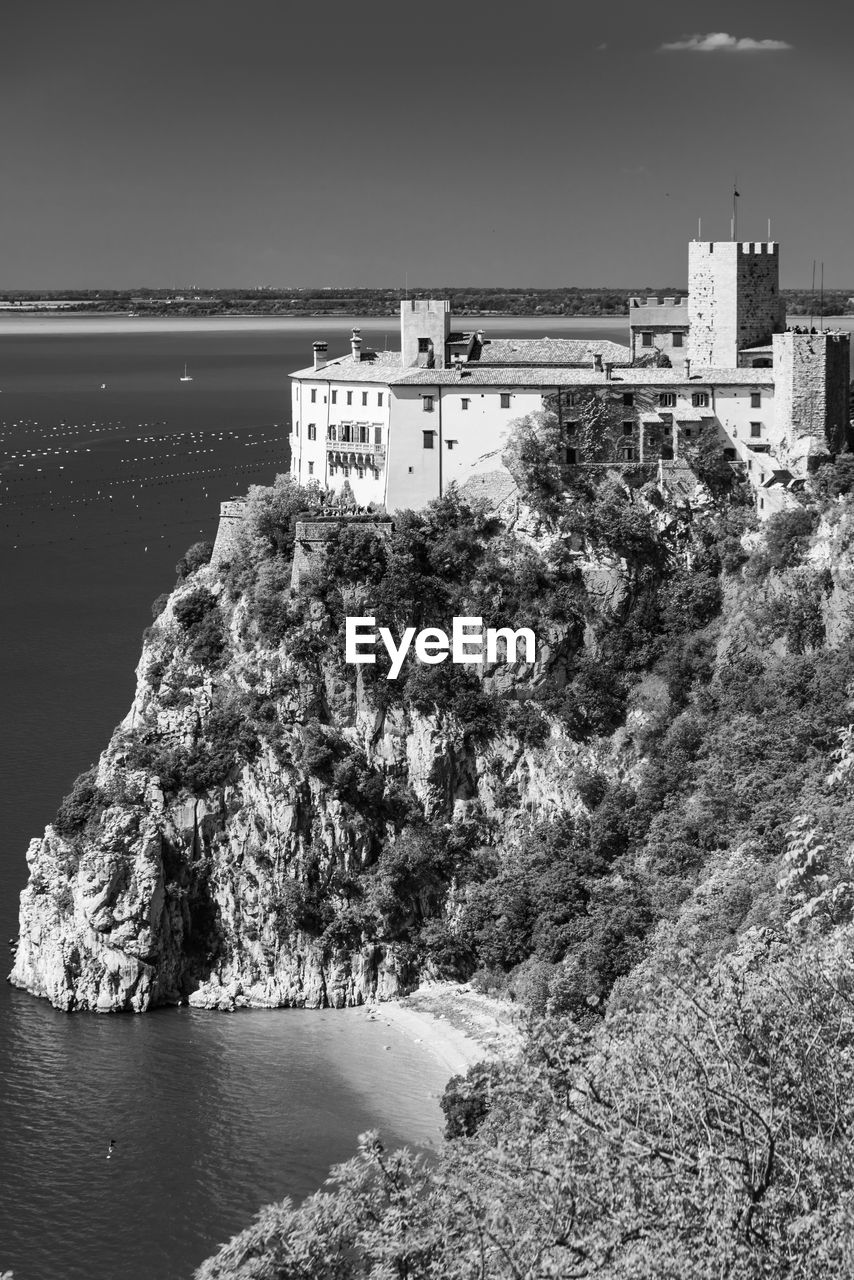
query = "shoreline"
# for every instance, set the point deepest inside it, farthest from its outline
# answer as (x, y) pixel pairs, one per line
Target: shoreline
(456, 1025)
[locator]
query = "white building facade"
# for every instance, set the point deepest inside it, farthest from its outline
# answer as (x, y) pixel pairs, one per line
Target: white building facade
(399, 427)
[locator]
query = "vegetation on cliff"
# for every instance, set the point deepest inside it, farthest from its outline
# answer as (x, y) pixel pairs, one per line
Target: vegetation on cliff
(642, 837)
(678, 929)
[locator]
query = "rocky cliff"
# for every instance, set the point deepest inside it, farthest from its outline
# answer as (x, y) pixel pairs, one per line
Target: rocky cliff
(271, 825)
(215, 853)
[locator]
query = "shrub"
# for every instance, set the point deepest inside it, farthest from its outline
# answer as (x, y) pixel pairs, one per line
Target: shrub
(466, 1101)
(82, 806)
(787, 534)
(198, 614)
(159, 605)
(528, 724)
(194, 558)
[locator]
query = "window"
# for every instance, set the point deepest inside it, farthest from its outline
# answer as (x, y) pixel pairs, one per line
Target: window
(360, 472)
(667, 399)
(677, 339)
(571, 428)
(378, 435)
(311, 468)
(345, 471)
(571, 457)
(646, 339)
(333, 433)
(464, 403)
(380, 399)
(410, 470)
(756, 430)
(688, 433)
(451, 443)
(349, 397)
(700, 399)
(756, 399)
(505, 399)
(312, 431)
(423, 346)
(313, 395)
(363, 435)
(334, 397)
(345, 434)
(333, 470)
(628, 453)
(628, 428)
(428, 439)
(364, 397)
(628, 399)
(427, 403)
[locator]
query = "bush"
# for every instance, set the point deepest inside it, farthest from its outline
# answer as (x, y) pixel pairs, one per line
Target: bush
(194, 558)
(787, 534)
(81, 807)
(466, 1101)
(159, 605)
(198, 614)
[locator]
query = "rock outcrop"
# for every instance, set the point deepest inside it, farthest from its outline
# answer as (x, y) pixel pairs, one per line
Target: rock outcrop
(217, 894)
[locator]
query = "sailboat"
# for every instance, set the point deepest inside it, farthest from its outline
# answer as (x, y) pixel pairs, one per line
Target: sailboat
(186, 376)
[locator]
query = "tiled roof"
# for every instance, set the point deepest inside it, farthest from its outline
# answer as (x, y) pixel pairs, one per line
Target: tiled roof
(540, 351)
(624, 379)
(386, 370)
(345, 369)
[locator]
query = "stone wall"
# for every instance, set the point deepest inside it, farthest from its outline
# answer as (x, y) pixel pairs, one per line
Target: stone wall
(811, 373)
(311, 536)
(230, 518)
(733, 299)
(424, 318)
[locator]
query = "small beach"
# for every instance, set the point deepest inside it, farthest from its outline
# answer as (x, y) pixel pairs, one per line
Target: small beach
(455, 1024)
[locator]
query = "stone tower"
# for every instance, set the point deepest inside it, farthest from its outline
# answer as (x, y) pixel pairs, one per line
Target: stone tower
(733, 300)
(425, 325)
(811, 372)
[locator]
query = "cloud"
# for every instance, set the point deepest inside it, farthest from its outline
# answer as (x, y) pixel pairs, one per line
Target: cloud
(600, 48)
(720, 42)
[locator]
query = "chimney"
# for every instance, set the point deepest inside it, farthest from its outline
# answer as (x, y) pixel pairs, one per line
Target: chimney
(356, 344)
(320, 349)
(609, 371)
(597, 362)
(687, 367)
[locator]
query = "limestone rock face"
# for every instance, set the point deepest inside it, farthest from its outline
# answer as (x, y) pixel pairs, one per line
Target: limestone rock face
(229, 892)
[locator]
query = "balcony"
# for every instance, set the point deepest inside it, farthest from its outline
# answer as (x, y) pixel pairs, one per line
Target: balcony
(365, 448)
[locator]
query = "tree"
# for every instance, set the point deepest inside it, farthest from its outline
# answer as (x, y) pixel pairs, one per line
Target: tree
(534, 455)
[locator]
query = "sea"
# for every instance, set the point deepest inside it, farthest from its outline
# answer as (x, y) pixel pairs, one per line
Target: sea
(110, 467)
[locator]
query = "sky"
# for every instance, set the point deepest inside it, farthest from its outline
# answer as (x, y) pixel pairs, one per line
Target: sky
(232, 143)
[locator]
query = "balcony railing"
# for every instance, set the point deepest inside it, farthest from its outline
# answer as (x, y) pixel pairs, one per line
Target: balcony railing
(355, 446)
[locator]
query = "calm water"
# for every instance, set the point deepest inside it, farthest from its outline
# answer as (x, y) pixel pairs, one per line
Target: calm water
(214, 1115)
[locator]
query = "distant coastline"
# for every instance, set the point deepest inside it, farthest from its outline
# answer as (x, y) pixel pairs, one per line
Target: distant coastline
(106, 322)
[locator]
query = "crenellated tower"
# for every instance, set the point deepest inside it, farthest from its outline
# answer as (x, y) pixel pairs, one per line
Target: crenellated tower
(733, 300)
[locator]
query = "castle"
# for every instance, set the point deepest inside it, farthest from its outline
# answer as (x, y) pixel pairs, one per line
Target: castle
(400, 426)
